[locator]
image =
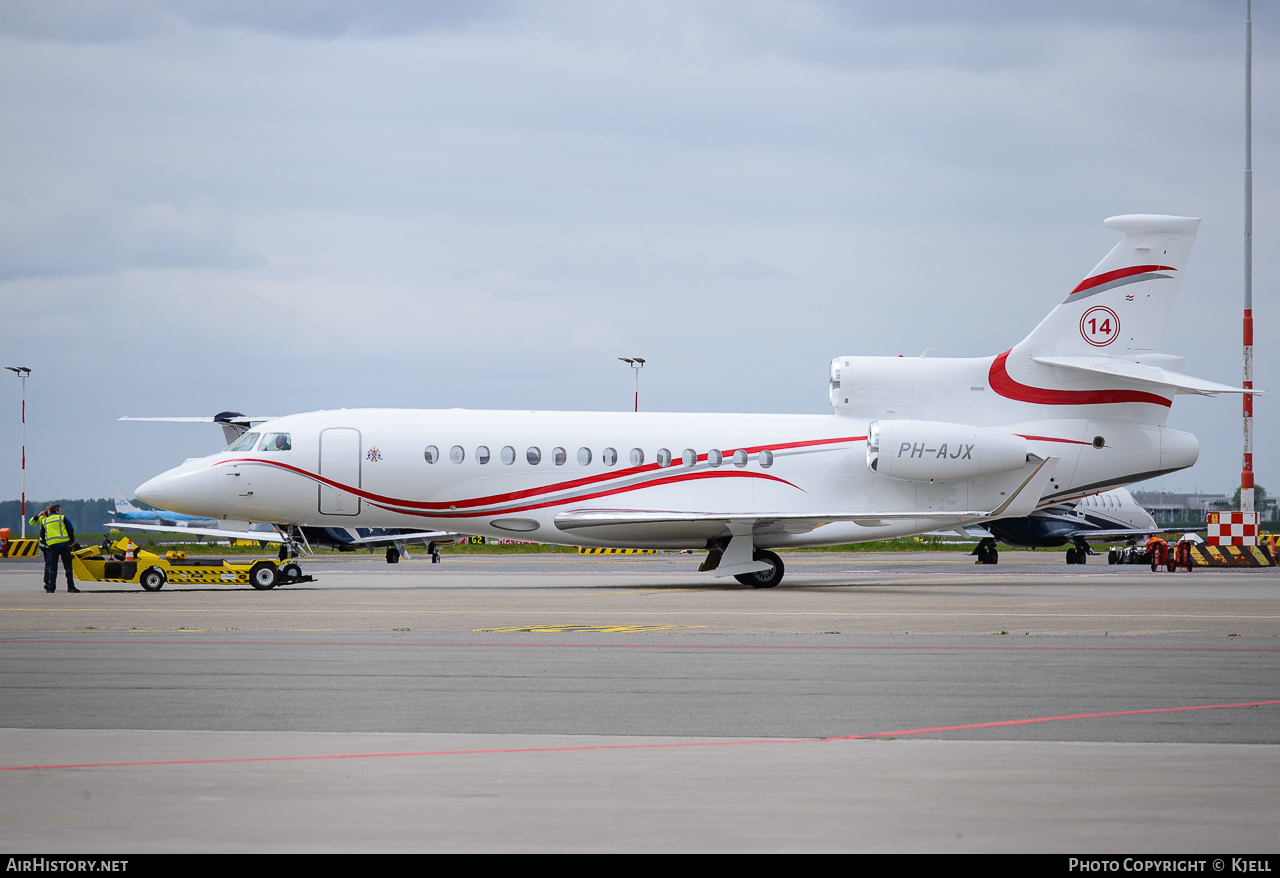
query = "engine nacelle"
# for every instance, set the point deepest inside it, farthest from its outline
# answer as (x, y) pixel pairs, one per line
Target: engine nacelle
(927, 451)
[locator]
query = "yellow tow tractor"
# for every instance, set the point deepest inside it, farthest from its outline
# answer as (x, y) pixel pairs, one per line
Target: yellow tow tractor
(123, 561)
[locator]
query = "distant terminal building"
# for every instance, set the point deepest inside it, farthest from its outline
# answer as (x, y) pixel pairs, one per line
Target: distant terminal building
(1167, 506)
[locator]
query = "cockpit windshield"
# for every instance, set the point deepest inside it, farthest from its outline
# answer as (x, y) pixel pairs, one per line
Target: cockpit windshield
(276, 442)
(244, 443)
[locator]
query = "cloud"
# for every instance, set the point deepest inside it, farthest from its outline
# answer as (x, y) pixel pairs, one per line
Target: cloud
(72, 230)
(94, 21)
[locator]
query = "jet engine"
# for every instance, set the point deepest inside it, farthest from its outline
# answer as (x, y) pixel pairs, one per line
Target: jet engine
(928, 451)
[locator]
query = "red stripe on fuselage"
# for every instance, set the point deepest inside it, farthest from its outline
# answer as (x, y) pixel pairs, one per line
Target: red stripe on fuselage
(406, 505)
(624, 489)
(1004, 384)
(1053, 439)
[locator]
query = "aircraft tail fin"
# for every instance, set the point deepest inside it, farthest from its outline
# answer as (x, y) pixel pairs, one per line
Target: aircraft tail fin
(1122, 308)
(123, 506)
(1101, 345)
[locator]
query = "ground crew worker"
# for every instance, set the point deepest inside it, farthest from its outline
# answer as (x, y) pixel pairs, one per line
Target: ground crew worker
(37, 521)
(58, 535)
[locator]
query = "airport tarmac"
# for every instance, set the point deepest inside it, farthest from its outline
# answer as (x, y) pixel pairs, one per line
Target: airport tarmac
(873, 702)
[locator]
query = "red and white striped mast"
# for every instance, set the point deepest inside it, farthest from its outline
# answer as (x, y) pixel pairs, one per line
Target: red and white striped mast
(1246, 473)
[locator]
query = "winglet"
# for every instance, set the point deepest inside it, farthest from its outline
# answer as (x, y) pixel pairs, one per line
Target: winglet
(1026, 497)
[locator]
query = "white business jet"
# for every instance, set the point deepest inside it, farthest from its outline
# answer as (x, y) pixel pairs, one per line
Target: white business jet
(913, 445)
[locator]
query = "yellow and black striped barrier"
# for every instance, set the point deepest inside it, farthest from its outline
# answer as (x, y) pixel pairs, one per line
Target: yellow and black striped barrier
(1231, 556)
(583, 550)
(23, 548)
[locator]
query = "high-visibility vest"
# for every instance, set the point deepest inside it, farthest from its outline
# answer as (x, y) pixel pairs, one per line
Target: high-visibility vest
(55, 530)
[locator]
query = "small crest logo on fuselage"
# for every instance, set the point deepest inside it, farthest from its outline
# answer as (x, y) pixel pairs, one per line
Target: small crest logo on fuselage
(373, 455)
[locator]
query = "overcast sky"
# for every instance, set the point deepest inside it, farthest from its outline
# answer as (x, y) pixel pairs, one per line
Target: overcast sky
(285, 206)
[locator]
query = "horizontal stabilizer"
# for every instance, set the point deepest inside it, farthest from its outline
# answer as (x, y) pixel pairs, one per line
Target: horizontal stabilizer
(1128, 369)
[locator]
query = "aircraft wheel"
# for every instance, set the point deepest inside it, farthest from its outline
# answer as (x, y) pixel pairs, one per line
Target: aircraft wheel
(993, 556)
(393, 555)
(763, 578)
(1111, 556)
(284, 553)
(1071, 556)
(290, 571)
(263, 575)
(152, 579)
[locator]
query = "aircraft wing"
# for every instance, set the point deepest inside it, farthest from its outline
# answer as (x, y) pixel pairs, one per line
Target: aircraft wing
(642, 525)
(1120, 533)
(263, 536)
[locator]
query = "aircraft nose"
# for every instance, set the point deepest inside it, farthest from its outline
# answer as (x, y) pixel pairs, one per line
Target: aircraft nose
(186, 489)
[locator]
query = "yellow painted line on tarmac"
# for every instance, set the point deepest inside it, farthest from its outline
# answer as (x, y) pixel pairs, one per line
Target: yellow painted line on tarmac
(165, 630)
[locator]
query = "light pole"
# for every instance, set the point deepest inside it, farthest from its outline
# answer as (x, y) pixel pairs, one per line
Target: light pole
(22, 372)
(637, 363)
(1246, 471)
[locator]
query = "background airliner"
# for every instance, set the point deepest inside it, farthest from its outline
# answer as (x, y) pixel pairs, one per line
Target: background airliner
(127, 513)
(1110, 515)
(1077, 407)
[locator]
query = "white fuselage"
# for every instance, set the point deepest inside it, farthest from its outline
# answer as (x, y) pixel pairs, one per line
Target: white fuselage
(372, 468)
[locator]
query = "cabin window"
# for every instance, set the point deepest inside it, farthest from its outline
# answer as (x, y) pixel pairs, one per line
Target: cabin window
(714, 457)
(533, 455)
(276, 442)
(740, 458)
(584, 456)
(508, 455)
(690, 457)
(244, 443)
(559, 456)
(766, 459)
(432, 454)
(637, 457)
(664, 457)
(456, 454)
(609, 456)
(482, 454)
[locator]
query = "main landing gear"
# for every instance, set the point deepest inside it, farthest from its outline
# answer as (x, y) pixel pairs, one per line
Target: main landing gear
(1080, 553)
(763, 578)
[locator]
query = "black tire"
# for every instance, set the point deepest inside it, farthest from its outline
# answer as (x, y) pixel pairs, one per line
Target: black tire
(152, 579)
(763, 578)
(290, 572)
(393, 555)
(993, 556)
(1071, 556)
(263, 575)
(284, 553)
(1111, 556)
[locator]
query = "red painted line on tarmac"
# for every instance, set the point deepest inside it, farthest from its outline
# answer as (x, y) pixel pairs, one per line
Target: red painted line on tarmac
(664, 746)
(1050, 719)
